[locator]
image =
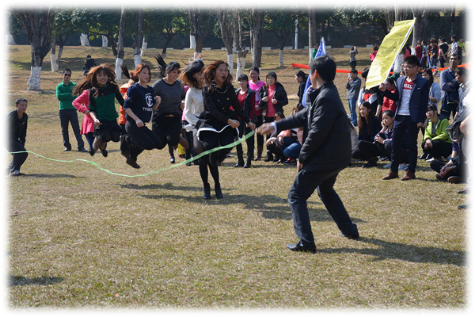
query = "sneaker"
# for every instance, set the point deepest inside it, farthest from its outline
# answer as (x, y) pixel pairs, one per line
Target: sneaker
(468, 205)
(431, 159)
(463, 191)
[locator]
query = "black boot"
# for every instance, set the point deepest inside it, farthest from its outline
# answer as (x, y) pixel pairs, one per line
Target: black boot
(218, 192)
(239, 154)
(206, 191)
(248, 162)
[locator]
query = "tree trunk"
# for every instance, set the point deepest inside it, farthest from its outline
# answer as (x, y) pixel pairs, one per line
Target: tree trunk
(138, 38)
(104, 41)
(54, 65)
(60, 53)
(421, 15)
(257, 16)
(227, 33)
(192, 42)
(37, 25)
(281, 57)
(241, 51)
(10, 40)
(312, 31)
(229, 58)
(144, 46)
(84, 40)
(120, 44)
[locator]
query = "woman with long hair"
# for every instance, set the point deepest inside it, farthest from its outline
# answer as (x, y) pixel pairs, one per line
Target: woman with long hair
(103, 89)
(301, 78)
(255, 84)
(436, 141)
(192, 76)
(273, 98)
(369, 126)
(167, 119)
(139, 105)
(219, 121)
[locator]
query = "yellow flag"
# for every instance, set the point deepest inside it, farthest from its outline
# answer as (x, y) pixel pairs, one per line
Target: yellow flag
(391, 45)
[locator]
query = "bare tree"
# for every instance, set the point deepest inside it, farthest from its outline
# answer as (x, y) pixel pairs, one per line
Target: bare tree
(138, 36)
(120, 44)
(199, 27)
(257, 24)
(312, 31)
(240, 49)
(37, 25)
(421, 13)
(226, 19)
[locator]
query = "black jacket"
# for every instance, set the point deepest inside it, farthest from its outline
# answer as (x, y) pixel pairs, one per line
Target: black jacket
(326, 134)
(279, 94)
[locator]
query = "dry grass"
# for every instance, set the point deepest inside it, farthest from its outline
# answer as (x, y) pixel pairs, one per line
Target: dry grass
(79, 237)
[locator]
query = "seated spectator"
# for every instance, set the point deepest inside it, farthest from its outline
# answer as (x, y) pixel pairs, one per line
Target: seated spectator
(369, 126)
(452, 171)
(436, 142)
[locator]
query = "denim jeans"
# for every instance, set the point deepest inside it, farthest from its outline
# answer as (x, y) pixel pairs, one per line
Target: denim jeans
(304, 185)
(353, 114)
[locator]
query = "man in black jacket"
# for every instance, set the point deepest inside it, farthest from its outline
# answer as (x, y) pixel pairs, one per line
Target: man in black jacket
(326, 150)
(17, 122)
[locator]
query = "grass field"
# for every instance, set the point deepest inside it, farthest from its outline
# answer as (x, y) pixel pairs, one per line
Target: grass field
(79, 237)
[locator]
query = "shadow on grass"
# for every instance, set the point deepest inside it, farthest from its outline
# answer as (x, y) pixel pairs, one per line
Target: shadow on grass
(405, 252)
(23, 281)
(53, 176)
(270, 206)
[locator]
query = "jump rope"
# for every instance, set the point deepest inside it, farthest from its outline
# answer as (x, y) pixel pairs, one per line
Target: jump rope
(98, 166)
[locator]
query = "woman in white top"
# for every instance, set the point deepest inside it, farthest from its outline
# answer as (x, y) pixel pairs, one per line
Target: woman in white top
(193, 77)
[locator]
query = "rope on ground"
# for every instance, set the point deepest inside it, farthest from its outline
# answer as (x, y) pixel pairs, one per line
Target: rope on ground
(98, 166)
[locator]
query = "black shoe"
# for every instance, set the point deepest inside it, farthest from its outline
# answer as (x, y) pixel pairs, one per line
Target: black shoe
(468, 205)
(218, 192)
(247, 165)
(299, 247)
(370, 163)
(172, 160)
(352, 236)
(240, 164)
(206, 191)
(66, 149)
(82, 149)
(91, 152)
(132, 163)
(104, 152)
(423, 156)
(463, 191)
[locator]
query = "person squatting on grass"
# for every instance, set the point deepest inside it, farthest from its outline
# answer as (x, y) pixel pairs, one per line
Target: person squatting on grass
(17, 123)
(100, 81)
(218, 124)
(326, 150)
(139, 105)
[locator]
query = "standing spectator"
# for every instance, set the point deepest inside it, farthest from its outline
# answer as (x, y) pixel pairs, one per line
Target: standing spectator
(434, 53)
(353, 61)
(387, 103)
(462, 79)
(374, 52)
(246, 98)
(90, 63)
(353, 88)
(436, 141)
(17, 123)
(412, 100)
(419, 51)
(435, 90)
(256, 84)
(301, 79)
(454, 45)
(67, 113)
(449, 88)
(273, 98)
(324, 153)
(461, 49)
(444, 48)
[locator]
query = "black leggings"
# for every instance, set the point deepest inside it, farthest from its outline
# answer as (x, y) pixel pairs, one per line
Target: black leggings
(168, 130)
(212, 140)
(440, 148)
(204, 163)
(108, 131)
(143, 137)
